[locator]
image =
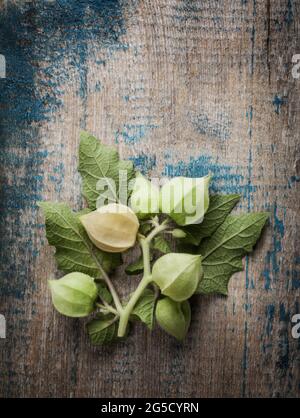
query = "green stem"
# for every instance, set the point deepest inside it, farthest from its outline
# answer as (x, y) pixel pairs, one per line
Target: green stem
(110, 286)
(146, 256)
(124, 317)
(108, 308)
(157, 230)
(145, 245)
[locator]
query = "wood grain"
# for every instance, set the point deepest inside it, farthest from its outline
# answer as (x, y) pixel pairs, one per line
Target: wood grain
(181, 87)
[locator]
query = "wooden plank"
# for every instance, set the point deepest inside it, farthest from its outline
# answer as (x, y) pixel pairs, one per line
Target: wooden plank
(181, 88)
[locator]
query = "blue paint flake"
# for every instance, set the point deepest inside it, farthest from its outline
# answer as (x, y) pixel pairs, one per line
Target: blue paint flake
(144, 162)
(46, 46)
(295, 279)
(272, 264)
(278, 101)
(225, 178)
(292, 180)
(297, 260)
(270, 314)
(289, 14)
(132, 133)
(219, 128)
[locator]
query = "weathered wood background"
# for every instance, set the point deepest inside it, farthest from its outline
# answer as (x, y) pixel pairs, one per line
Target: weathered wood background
(181, 87)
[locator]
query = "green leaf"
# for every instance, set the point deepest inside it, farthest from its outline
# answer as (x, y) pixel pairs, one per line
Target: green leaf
(135, 268)
(144, 309)
(98, 161)
(222, 253)
(183, 247)
(82, 212)
(219, 208)
(103, 292)
(161, 244)
(145, 228)
(102, 331)
(74, 250)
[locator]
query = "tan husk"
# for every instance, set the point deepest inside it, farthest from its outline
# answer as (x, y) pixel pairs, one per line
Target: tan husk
(112, 228)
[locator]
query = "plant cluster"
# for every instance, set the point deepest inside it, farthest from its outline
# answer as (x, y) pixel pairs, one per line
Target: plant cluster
(189, 244)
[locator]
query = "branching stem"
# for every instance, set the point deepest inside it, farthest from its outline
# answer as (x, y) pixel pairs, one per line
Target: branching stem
(145, 246)
(106, 307)
(110, 287)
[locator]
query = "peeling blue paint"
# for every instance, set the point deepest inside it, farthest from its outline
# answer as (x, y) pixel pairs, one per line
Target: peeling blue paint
(283, 314)
(272, 264)
(31, 92)
(249, 116)
(248, 195)
(144, 162)
(289, 14)
(46, 45)
(248, 307)
(225, 178)
(219, 128)
(132, 133)
(295, 279)
(98, 86)
(277, 102)
(270, 314)
(292, 180)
